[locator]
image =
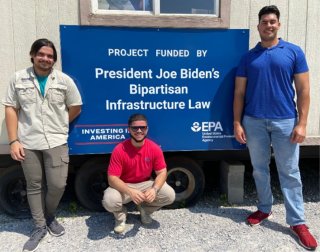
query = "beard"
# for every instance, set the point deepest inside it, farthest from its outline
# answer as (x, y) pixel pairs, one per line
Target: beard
(268, 37)
(44, 66)
(137, 141)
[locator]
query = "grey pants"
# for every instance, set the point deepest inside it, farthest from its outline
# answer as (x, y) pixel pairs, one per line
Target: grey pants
(46, 174)
(113, 200)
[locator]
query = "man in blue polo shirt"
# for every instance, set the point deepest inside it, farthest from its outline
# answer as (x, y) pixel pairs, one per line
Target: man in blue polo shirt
(265, 114)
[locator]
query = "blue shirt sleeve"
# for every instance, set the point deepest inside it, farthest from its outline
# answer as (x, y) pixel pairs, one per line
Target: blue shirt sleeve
(242, 68)
(301, 65)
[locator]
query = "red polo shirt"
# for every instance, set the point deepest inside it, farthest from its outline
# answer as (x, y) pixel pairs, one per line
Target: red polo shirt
(135, 165)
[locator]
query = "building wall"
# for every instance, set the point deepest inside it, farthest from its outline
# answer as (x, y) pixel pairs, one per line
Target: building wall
(23, 21)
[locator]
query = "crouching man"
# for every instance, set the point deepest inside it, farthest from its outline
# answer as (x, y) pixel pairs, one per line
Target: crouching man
(129, 176)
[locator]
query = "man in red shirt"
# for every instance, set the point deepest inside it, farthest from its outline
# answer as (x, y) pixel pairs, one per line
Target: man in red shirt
(129, 176)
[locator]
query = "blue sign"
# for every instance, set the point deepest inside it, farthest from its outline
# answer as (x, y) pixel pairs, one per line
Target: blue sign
(181, 79)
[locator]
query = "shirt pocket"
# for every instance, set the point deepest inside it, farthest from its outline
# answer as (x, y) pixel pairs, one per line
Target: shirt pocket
(57, 93)
(26, 93)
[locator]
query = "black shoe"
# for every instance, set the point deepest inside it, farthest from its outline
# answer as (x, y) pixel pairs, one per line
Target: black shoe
(54, 227)
(36, 237)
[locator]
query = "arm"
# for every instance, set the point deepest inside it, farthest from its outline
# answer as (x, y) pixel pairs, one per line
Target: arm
(114, 173)
(11, 117)
(116, 183)
(74, 111)
(161, 177)
(303, 102)
(238, 104)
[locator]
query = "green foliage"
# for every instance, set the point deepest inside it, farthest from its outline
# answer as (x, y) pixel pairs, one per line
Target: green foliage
(73, 207)
(223, 199)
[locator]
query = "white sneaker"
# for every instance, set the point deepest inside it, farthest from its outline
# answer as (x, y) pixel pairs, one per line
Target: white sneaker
(145, 218)
(119, 227)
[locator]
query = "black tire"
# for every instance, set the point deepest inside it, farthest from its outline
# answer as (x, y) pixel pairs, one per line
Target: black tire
(186, 177)
(90, 183)
(13, 193)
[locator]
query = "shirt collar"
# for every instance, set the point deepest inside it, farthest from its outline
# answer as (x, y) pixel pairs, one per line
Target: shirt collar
(33, 74)
(258, 47)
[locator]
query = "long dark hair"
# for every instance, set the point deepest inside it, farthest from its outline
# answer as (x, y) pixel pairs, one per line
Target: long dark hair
(36, 46)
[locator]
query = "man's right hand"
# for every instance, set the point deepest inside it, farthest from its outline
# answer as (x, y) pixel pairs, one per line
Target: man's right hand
(17, 151)
(239, 134)
(137, 196)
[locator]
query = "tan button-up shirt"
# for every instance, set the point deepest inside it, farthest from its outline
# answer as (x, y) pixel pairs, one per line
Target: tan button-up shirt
(43, 121)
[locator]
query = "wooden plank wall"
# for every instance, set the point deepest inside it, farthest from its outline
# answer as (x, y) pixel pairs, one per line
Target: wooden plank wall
(313, 56)
(7, 65)
(23, 21)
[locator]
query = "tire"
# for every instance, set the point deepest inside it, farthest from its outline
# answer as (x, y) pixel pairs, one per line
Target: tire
(13, 193)
(187, 179)
(90, 183)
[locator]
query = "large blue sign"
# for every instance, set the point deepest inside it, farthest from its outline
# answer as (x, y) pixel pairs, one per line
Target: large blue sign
(181, 79)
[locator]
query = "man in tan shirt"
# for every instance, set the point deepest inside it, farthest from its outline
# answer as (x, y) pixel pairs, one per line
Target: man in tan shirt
(39, 104)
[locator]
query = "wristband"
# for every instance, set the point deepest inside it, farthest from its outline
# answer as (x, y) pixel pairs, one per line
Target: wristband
(15, 140)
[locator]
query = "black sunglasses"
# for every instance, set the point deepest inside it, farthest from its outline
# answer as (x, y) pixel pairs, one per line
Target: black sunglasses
(136, 128)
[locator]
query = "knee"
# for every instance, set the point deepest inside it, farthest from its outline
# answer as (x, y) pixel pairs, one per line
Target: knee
(57, 186)
(34, 186)
(168, 193)
(112, 200)
(171, 196)
(261, 174)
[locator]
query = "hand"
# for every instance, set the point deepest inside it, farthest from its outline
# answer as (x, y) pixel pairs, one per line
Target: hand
(298, 134)
(240, 134)
(150, 195)
(17, 151)
(137, 196)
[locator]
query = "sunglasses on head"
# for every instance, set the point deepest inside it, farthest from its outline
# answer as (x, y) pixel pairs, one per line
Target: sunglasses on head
(136, 128)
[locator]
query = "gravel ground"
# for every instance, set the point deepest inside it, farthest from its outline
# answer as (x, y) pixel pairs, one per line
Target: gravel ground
(210, 225)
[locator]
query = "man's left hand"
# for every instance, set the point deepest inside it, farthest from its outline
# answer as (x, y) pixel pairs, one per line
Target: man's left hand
(150, 194)
(298, 134)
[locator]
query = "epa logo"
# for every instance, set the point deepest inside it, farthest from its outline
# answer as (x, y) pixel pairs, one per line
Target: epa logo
(206, 126)
(196, 127)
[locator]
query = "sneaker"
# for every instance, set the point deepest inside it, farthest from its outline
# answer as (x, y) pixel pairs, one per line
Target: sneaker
(120, 227)
(36, 237)
(54, 227)
(305, 237)
(145, 218)
(257, 217)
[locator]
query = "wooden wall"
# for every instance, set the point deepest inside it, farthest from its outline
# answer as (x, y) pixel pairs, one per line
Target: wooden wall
(23, 21)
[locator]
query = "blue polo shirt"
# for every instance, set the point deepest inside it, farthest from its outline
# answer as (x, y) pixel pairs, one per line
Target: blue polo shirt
(270, 73)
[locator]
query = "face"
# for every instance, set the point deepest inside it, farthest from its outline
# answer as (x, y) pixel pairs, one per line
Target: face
(43, 60)
(138, 131)
(268, 27)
